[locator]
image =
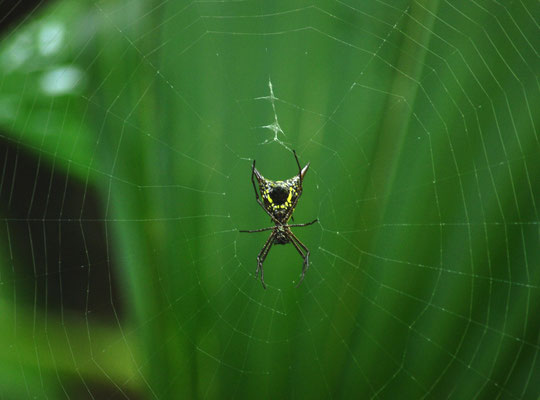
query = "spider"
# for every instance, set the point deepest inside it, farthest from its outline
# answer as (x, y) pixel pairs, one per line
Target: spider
(279, 200)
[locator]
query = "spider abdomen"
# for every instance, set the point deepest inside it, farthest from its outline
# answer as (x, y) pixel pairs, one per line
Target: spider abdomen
(279, 196)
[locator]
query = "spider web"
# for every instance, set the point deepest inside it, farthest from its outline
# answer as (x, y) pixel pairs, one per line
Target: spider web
(123, 273)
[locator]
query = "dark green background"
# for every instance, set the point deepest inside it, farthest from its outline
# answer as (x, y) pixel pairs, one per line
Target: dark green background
(420, 120)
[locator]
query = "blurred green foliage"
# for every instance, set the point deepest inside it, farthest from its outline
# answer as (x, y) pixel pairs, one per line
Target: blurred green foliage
(420, 122)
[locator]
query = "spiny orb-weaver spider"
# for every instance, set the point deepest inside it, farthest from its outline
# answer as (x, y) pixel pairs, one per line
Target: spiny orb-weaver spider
(279, 200)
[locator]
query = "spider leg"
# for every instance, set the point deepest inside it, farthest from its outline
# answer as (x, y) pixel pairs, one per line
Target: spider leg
(258, 230)
(293, 236)
(299, 247)
(262, 256)
(304, 264)
(301, 225)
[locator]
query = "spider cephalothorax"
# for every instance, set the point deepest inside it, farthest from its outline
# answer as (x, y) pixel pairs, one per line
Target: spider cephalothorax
(279, 200)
